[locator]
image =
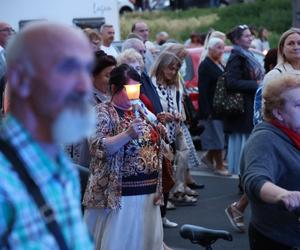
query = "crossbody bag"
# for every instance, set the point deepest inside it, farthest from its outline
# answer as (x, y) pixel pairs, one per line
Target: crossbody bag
(33, 190)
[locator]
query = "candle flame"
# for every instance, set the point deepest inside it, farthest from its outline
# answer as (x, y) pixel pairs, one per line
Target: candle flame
(133, 91)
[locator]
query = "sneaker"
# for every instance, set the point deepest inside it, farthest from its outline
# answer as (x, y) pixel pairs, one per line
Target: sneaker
(168, 224)
(170, 206)
(236, 218)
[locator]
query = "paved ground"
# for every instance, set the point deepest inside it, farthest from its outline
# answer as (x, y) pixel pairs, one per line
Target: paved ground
(209, 212)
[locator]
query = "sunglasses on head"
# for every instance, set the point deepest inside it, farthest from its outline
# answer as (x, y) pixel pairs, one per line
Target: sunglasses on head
(244, 26)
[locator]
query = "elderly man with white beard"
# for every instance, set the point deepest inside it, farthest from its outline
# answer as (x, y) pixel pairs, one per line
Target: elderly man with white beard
(48, 73)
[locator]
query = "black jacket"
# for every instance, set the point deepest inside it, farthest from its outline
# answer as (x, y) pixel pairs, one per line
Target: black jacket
(149, 90)
(208, 74)
(239, 79)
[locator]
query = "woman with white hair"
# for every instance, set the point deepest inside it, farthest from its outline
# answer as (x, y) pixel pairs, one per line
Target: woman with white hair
(210, 35)
(212, 139)
(132, 58)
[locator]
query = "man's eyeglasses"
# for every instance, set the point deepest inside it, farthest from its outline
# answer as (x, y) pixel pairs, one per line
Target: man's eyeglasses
(7, 30)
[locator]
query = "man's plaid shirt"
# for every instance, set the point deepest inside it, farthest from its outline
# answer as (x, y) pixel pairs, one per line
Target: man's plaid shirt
(59, 184)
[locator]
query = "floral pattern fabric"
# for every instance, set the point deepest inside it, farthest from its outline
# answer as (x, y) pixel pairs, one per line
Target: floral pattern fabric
(104, 188)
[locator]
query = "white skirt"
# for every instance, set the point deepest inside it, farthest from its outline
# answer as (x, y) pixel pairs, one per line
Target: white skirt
(136, 226)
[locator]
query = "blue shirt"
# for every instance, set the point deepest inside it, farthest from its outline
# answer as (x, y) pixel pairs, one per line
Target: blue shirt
(59, 184)
(257, 116)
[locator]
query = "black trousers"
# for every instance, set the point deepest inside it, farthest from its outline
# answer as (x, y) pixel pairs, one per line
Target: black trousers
(163, 209)
(260, 242)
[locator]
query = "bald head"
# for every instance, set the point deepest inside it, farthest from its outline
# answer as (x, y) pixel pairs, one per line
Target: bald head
(49, 68)
(5, 33)
(141, 29)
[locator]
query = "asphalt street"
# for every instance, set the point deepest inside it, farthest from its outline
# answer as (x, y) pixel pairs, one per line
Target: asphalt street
(218, 193)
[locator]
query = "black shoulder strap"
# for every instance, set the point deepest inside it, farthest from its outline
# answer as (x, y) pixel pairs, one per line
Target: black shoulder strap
(32, 189)
(4, 237)
(280, 71)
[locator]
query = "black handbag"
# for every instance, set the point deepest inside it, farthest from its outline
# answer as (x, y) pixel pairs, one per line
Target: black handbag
(191, 114)
(226, 102)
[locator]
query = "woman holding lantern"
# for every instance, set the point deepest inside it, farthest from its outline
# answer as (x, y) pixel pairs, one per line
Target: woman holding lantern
(124, 189)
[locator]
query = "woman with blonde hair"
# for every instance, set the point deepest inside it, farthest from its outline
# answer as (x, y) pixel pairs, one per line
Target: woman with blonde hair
(288, 60)
(288, 56)
(94, 38)
(166, 79)
(193, 161)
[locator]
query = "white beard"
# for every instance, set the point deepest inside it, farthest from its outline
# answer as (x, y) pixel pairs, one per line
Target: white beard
(72, 125)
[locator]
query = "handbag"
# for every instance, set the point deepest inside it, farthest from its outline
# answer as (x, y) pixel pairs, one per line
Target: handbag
(167, 151)
(191, 114)
(226, 102)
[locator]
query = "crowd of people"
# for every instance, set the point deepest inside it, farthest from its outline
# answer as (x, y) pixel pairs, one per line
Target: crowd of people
(66, 87)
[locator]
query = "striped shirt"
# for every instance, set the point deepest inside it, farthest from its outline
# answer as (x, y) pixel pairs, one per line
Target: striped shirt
(58, 182)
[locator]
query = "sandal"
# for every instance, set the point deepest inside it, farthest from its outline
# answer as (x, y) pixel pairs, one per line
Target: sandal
(222, 172)
(183, 199)
(207, 163)
(236, 217)
(194, 185)
(190, 192)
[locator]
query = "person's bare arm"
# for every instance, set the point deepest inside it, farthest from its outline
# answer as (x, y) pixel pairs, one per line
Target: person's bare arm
(114, 143)
(274, 194)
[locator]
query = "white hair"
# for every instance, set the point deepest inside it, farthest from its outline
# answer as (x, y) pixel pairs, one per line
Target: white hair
(105, 26)
(129, 56)
(211, 35)
(81, 124)
(131, 43)
(213, 41)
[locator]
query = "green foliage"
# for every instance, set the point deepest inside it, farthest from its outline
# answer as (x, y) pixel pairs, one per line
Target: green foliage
(275, 15)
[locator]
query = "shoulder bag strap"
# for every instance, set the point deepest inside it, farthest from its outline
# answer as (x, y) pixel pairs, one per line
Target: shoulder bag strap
(32, 189)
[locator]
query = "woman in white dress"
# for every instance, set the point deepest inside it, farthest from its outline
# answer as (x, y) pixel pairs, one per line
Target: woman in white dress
(124, 189)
